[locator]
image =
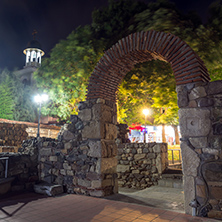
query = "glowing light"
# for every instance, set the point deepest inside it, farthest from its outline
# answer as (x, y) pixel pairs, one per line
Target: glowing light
(146, 112)
(41, 98)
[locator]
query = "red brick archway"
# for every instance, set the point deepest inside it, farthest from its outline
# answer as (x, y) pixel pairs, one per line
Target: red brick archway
(141, 47)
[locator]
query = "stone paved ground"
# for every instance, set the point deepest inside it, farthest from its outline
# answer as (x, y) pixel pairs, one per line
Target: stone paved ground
(155, 196)
(32, 207)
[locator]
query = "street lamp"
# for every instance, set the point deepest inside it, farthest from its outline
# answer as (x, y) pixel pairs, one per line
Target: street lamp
(40, 99)
(145, 112)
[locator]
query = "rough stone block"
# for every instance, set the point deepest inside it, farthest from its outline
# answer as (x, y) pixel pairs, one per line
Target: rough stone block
(182, 95)
(192, 104)
(151, 155)
(139, 156)
(215, 142)
(63, 172)
(53, 158)
(95, 148)
(84, 183)
(97, 193)
(95, 184)
(217, 100)
(205, 102)
(106, 165)
(67, 135)
(85, 115)
(49, 189)
(189, 193)
(201, 191)
(216, 192)
(95, 130)
(198, 142)
(215, 214)
(197, 92)
(194, 122)
(66, 166)
(110, 131)
(101, 112)
(122, 168)
(68, 145)
(210, 151)
(45, 151)
(157, 148)
(109, 148)
(214, 87)
(190, 160)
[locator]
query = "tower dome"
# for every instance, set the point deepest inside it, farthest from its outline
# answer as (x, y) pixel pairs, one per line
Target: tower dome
(33, 53)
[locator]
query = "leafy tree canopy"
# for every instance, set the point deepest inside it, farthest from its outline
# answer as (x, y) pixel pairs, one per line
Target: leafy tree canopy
(65, 73)
(16, 102)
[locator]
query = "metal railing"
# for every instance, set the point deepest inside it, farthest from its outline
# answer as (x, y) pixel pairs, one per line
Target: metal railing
(177, 160)
(6, 165)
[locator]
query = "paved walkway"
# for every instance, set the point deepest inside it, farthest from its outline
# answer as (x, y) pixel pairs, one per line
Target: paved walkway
(161, 197)
(75, 208)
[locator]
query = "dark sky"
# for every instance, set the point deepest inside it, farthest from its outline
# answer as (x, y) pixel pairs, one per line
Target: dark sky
(54, 20)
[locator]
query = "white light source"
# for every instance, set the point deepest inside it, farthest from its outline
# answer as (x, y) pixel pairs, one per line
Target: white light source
(145, 112)
(39, 99)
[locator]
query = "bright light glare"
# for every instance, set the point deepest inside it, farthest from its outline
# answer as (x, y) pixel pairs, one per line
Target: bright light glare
(41, 98)
(44, 97)
(145, 112)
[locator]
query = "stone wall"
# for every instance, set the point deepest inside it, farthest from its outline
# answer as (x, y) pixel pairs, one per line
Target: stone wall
(22, 167)
(83, 158)
(141, 164)
(200, 118)
(12, 133)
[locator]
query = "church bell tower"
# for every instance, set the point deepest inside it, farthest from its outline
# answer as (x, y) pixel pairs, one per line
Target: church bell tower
(33, 53)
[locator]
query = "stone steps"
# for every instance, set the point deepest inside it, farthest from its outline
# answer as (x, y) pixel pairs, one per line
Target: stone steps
(171, 178)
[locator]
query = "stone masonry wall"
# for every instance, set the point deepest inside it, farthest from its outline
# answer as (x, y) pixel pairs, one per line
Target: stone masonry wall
(22, 167)
(12, 136)
(200, 118)
(12, 133)
(83, 159)
(141, 164)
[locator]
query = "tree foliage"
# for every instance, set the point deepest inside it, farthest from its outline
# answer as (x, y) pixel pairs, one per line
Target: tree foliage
(7, 96)
(16, 102)
(64, 75)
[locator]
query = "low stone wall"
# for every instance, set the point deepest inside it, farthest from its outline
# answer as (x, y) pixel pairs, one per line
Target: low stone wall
(22, 167)
(45, 131)
(13, 133)
(141, 164)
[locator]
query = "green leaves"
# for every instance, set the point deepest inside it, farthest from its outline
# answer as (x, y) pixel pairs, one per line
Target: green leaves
(6, 94)
(16, 103)
(65, 74)
(150, 85)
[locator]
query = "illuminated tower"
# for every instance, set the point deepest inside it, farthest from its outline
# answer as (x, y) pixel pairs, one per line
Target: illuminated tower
(33, 54)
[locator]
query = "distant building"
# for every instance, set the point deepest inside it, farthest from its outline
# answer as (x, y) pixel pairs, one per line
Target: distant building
(34, 55)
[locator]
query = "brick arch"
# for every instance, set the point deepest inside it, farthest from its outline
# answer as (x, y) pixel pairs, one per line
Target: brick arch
(141, 47)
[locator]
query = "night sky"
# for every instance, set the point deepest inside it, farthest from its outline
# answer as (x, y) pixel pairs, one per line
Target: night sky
(54, 20)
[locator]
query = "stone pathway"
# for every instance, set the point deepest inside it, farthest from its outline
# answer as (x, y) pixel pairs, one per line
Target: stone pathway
(156, 196)
(32, 207)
